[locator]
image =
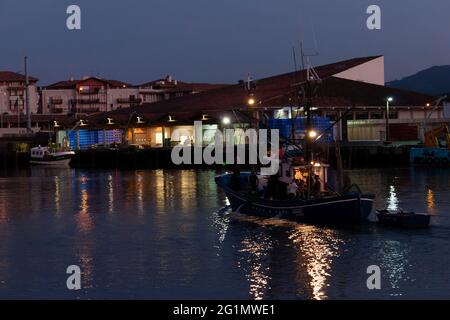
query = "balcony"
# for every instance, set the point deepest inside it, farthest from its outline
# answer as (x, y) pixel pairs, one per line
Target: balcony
(85, 101)
(56, 110)
(129, 100)
(56, 101)
(88, 109)
(90, 90)
(14, 104)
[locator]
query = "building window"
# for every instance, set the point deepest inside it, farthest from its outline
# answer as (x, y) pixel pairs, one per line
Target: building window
(159, 138)
(361, 116)
(377, 115)
(332, 116)
(393, 115)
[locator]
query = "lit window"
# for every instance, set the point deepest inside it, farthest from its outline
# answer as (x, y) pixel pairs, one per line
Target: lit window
(159, 138)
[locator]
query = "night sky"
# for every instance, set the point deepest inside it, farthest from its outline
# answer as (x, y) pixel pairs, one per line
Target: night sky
(216, 40)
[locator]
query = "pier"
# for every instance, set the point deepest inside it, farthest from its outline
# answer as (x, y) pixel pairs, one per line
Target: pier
(354, 156)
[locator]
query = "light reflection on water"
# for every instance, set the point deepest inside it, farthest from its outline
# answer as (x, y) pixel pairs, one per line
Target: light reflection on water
(392, 200)
(318, 248)
(166, 234)
(430, 201)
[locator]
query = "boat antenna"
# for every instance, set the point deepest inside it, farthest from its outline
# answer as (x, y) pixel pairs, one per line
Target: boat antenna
(27, 95)
(312, 79)
(294, 56)
(302, 54)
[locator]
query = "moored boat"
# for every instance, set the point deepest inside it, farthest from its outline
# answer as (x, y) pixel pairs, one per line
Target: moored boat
(403, 219)
(45, 156)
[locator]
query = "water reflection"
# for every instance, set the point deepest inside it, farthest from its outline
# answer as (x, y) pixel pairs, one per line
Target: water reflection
(430, 201)
(110, 187)
(140, 191)
(57, 195)
(84, 243)
(317, 250)
(392, 202)
(256, 270)
(395, 263)
(164, 237)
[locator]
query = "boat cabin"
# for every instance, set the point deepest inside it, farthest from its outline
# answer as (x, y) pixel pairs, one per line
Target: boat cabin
(320, 169)
(39, 152)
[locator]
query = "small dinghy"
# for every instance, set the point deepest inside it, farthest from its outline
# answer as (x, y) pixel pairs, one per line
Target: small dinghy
(403, 219)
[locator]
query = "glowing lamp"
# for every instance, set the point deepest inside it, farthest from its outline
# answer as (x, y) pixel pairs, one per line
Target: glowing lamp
(312, 134)
(226, 121)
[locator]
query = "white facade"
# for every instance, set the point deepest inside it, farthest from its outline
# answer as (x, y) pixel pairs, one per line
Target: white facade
(12, 94)
(369, 72)
(119, 98)
(57, 101)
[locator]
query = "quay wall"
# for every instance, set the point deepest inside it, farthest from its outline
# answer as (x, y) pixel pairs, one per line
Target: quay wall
(353, 157)
(14, 154)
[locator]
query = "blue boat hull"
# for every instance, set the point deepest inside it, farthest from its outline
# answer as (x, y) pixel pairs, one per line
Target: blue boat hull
(346, 209)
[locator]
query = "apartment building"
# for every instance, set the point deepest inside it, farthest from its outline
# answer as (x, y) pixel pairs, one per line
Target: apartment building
(12, 93)
(91, 94)
(88, 95)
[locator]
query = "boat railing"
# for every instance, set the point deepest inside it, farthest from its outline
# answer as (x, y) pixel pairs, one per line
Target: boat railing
(351, 187)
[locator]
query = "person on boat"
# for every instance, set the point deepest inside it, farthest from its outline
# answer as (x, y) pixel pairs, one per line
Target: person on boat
(271, 189)
(253, 180)
(292, 190)
(316, 187)
(347, 181)
(262, 185)
(301, 191)
(235, 181)
(285, 178)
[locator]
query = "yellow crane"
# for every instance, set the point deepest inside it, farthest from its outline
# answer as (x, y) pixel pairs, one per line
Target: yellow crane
(434, 137)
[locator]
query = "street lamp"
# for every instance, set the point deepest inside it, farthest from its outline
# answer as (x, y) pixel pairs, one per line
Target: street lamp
(312, 134)
(226, 121)
(388, 101)
(139, 120)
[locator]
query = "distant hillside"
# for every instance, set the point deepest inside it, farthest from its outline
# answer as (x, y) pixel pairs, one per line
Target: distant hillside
(435, 81)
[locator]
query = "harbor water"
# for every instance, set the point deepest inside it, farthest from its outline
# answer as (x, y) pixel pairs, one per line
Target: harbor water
(170, 235)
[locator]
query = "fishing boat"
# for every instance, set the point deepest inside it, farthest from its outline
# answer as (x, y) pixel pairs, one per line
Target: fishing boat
(350, 207)
(46, 156)
(403, 219)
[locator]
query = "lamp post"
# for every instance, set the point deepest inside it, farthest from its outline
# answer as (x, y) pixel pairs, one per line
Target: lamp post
(388, 101)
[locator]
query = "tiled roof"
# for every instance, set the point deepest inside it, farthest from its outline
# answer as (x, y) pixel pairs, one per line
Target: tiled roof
(180, 86)
(72, 84)
(9, 76)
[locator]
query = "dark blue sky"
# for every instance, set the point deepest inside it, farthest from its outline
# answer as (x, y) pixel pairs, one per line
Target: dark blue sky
(216, 40)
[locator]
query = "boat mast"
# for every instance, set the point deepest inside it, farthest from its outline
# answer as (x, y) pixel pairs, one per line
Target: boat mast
(298, 99)
(312, 78)
(27, 95)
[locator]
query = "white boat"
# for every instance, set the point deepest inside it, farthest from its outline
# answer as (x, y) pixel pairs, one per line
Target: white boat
(49, 157)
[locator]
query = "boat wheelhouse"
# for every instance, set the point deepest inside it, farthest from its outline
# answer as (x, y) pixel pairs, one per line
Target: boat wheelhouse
(50, 157)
